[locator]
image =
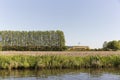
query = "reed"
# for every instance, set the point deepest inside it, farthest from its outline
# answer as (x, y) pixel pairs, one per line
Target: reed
(58, 62)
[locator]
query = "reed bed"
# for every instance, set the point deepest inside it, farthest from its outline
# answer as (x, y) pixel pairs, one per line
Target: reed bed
(58, 62)
(64, 53)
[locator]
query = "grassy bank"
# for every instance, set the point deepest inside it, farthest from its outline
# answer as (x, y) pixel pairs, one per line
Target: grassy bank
(58, 61)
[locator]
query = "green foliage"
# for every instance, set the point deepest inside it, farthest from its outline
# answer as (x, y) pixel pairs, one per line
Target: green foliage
(58, 62)
(33, 40)
(112, 45)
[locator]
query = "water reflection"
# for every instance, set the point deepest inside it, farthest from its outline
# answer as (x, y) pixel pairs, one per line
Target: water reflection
(67, 74)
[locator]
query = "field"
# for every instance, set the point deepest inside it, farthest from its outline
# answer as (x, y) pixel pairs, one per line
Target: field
(66, 53)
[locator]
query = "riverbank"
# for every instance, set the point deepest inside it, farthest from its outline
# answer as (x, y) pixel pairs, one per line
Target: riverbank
(58, 62)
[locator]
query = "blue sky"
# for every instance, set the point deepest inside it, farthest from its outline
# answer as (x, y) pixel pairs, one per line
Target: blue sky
(90, 22)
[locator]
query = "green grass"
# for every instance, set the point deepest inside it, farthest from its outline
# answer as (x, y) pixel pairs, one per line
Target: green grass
(58, 62)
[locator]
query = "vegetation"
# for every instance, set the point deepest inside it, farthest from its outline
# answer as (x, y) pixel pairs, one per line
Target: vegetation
(33, 40)
(64, 53)
(111, 45)
(58, 62)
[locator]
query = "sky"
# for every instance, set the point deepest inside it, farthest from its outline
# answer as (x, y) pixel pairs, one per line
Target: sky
(88, 22)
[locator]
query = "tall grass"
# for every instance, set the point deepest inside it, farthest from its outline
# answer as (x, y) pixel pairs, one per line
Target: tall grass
(58, 62)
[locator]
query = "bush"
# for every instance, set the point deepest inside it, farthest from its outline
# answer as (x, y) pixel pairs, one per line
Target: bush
(112, 45)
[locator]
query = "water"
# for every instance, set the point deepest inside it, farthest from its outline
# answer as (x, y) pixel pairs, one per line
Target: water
(82, 74)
